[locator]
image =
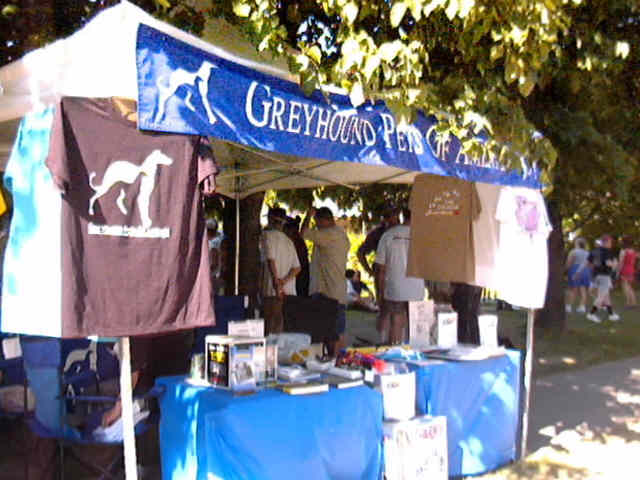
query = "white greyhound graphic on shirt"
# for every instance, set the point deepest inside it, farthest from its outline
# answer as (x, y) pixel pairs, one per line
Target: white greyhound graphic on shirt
(122, 171)
(184, 78)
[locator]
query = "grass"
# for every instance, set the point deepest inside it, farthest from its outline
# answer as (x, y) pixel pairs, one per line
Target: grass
(582, 344)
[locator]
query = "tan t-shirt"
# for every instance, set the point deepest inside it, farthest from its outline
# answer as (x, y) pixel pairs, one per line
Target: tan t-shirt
(442, 213)
(329, 262)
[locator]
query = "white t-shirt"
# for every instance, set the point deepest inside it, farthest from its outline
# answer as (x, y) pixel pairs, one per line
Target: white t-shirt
(485, 236)
(522, 260)
(393, 251)
(276, 246)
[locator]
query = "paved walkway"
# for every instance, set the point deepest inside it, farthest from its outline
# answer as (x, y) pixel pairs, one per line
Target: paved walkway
(585, 424)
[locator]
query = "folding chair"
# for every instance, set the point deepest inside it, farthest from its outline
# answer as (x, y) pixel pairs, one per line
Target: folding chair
(12, 381)
(68, 379)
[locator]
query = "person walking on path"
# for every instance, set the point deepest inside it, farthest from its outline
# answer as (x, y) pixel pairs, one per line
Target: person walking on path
(579, 275)
(627, 273)
(604, 263)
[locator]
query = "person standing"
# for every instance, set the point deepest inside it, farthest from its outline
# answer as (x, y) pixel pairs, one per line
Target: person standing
(328, 263)
(604, 263)
(627, 274)
(280, 266)
(292, 230)
(397, 289)
(579, 275)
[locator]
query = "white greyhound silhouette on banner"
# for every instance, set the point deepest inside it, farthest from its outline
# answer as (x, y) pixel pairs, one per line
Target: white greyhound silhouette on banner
(122, 171)
(184, 78)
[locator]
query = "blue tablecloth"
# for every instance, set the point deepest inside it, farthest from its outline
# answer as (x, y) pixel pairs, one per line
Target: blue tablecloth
(481, 401)
(206, 434)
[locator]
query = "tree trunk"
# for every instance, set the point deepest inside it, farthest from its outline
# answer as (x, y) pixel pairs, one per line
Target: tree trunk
(552, 315)
(250, 229)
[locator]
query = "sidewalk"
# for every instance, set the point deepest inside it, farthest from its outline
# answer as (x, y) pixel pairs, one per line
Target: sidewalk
(583, 425)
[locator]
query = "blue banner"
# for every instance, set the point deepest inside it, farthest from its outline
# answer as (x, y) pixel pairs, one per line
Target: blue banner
(183, 89)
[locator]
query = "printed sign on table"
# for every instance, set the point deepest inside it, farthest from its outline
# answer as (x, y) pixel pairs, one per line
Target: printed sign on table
(421, 323)
(447, 329)
(488, 325)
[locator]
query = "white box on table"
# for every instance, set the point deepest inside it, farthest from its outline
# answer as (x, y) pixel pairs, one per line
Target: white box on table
(398, 395)
(233, 362)
(416, 449)
(254, 327)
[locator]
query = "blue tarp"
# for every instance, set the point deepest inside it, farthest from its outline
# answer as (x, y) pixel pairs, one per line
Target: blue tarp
(210, 434)
(183, 89)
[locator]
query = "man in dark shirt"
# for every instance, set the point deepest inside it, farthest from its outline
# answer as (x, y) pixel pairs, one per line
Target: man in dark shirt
(370, 244)
(603, 262)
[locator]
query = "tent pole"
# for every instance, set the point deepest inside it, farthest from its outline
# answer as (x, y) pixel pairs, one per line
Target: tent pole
(528, 365)
(237, 252)
(126, 397)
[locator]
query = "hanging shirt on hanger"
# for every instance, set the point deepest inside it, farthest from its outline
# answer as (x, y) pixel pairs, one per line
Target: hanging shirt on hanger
(134, 249)
(485, 236)
(522, 263)
(442, 211)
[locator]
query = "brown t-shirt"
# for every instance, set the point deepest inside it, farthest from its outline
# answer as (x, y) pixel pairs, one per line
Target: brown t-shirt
(442, 214)
(135, 259)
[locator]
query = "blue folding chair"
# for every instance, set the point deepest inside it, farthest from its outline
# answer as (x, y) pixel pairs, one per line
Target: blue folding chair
(11, 375)
(66, 380)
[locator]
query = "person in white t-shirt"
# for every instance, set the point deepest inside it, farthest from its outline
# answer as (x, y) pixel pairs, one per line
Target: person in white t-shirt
(396, 287)
(280, 265)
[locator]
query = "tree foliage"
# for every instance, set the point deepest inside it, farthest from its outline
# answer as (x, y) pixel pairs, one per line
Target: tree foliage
(471, 63)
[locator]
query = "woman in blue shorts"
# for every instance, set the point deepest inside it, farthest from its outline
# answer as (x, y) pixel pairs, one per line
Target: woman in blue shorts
(579, 275)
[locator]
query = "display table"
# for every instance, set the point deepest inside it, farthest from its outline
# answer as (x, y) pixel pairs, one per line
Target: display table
(481, 401)
(209, 434)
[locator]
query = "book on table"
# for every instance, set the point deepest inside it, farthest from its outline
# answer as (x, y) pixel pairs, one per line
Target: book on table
(304, 388)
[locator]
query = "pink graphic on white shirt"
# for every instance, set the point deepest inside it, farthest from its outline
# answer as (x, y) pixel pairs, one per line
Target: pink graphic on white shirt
(527, 215)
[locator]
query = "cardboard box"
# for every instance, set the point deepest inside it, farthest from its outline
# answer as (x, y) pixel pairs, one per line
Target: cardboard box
(398, 395)
(233, 362)
(416, 449)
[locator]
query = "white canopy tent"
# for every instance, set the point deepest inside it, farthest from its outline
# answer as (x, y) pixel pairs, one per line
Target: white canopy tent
(99, 60)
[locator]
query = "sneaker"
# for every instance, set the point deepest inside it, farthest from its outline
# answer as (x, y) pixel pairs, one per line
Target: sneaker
(581, 309)
(594, 318)
(614, 317)
(567, 308)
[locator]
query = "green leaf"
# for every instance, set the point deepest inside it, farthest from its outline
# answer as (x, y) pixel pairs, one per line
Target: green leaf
(389, 50)
(350, 12)
(431, 6)
(164, 4)
(9, 10)
(622, 49)
(356, 95)
(397, 13)
(302, 62)
(315, 54)
(239, 8)
(372, 62)
(497, 51)
(526, 83)
(465, 7)
(351, 53)
(452, 9)
(416, 8)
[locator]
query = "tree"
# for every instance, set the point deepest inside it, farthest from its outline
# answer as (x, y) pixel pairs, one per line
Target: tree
(513, 68)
